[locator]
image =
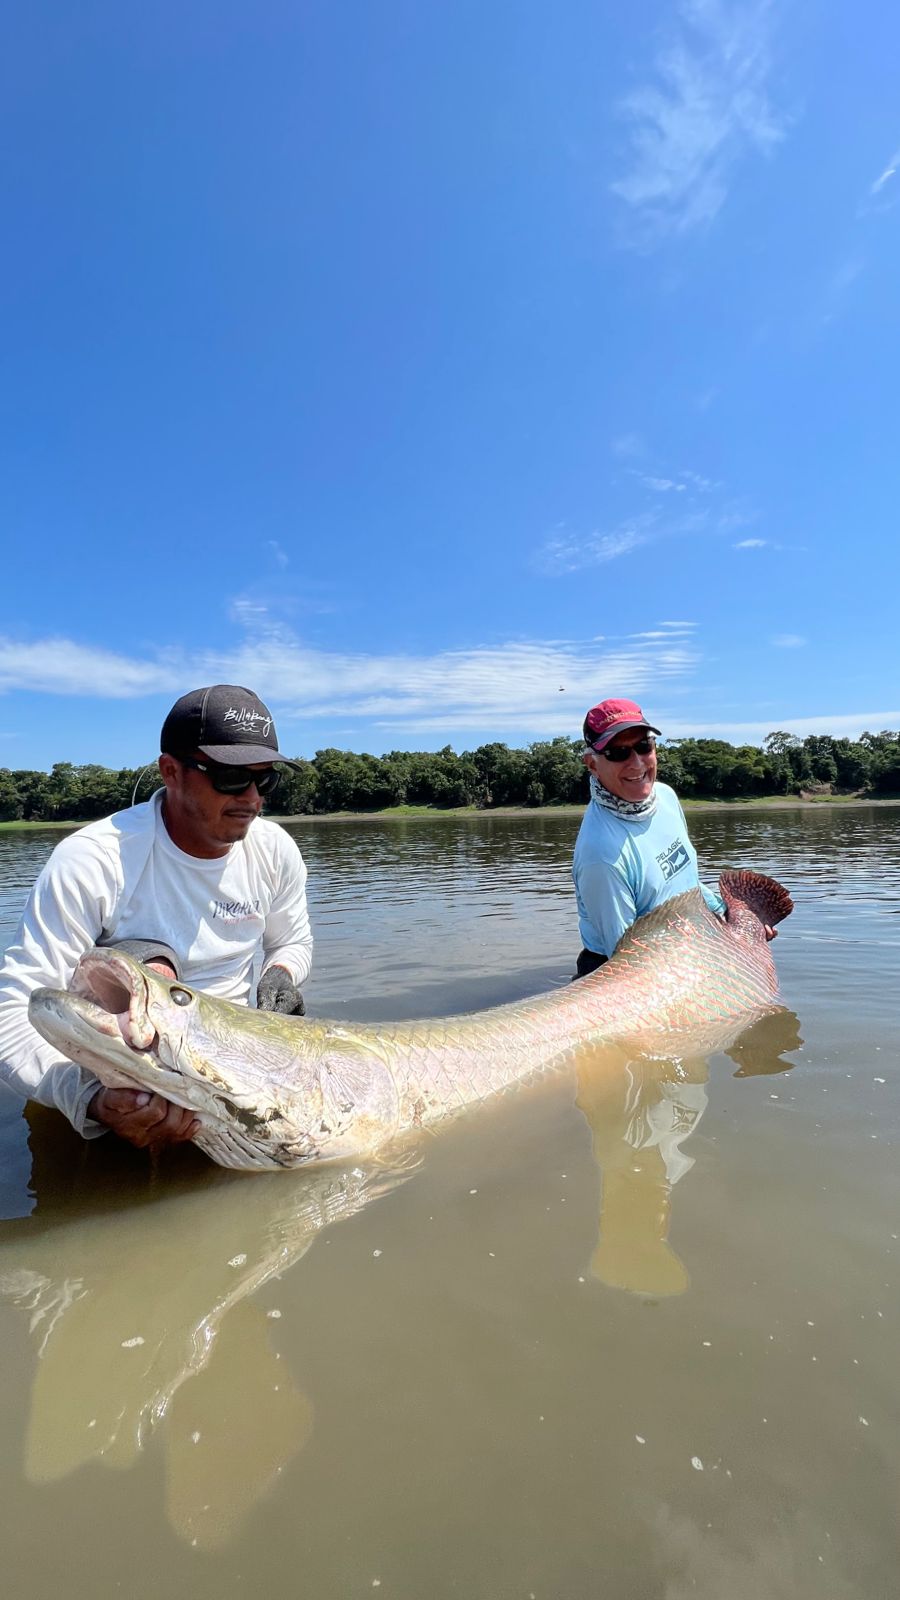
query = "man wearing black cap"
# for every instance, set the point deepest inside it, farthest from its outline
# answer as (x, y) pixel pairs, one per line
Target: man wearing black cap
(194, 882)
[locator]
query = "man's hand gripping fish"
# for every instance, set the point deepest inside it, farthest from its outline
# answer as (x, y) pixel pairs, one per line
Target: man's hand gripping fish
(278, 1091)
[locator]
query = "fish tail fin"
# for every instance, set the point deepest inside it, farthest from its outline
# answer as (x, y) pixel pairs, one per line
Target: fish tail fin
(767, 898)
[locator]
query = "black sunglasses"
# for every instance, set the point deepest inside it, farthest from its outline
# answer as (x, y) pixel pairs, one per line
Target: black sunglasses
(621, 752)
(234, 780)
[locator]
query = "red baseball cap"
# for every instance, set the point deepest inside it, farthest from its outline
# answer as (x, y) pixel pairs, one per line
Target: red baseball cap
(612, 716)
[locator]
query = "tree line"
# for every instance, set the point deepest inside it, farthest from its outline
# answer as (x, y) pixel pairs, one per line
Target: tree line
(548, 772)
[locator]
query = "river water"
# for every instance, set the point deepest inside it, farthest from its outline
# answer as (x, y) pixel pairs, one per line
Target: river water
(630, 1332)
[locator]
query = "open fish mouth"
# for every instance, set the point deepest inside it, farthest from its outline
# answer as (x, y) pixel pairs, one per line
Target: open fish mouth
(103, 1022)
(115, 999)
(134, 1029)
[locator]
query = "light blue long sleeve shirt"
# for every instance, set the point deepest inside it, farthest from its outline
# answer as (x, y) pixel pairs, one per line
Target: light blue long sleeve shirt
(623, 869)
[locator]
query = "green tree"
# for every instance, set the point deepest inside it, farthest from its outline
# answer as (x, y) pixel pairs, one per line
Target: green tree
(296, 792)
(11, 805)
(556, 766)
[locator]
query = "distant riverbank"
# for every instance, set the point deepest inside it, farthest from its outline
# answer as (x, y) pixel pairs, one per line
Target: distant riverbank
(756, 803)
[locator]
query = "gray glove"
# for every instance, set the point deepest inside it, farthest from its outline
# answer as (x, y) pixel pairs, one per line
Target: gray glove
(146, 950)
(277, 991)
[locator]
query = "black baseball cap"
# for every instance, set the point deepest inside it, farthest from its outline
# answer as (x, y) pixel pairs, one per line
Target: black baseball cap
(225, 722)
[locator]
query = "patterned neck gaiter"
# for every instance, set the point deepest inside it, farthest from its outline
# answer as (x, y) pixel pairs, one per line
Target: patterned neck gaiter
(628, 810)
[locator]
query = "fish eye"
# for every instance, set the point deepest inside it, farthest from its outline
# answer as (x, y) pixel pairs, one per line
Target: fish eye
(182, 997)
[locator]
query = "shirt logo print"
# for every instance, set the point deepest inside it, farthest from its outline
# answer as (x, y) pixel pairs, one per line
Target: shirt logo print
(673, 859)
(236, 910)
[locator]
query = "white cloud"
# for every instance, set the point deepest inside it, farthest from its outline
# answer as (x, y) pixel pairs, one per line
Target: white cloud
(889, 172)
(705, 107)
(664, 485)
(498, 690)
(572, 553)
(845, 275)
(836, 292)
(279, 554)
(751, 544)
(697, 481)
(681, 483)
(628, 444)
(264, 601)
(60, 666)
(788, 641)
(666, 630)
(565, 553)
(842, 724)
(248, 612)
(512, 686)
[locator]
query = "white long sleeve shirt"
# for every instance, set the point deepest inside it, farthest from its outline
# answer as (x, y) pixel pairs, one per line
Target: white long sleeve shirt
(228, 918)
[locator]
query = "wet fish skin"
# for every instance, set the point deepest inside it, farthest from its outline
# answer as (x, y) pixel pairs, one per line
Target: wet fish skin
(278, 1091)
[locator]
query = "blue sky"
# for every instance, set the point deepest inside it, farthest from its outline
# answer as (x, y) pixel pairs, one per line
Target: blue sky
(437, 370)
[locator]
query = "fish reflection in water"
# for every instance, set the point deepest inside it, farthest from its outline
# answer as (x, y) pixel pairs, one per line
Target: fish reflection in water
(143, 1316)
(128, 1306)
(641, 1111)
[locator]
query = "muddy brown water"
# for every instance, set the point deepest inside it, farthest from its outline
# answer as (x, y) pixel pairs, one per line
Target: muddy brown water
(631, 1332)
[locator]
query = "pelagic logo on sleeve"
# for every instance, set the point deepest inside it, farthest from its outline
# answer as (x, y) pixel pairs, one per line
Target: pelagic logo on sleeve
(673, 859)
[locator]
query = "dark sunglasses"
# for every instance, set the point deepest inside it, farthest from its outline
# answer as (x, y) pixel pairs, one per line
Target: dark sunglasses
(234, 780)
(621, 752)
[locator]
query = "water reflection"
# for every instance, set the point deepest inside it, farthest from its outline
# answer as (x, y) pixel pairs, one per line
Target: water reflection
(143, 1313)
(640, 1112)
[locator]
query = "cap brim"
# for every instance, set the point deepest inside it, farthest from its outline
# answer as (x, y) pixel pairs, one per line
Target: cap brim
(621, 727)
(243, 755)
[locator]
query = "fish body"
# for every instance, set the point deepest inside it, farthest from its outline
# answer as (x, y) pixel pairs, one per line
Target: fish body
(276, 1091)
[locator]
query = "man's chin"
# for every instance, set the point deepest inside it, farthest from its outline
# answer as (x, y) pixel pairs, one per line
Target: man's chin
(235, 827)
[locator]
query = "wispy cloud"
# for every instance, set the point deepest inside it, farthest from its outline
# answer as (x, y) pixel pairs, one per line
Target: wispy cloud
(62, 666)
(495, 688)
(699, 509)
(248, 612)
(677, 483)
(570, 552)
(843, 724)
(877, 189)
(836, 292)
(270, 598)
(664, 485)
(704, 107)
(751, 544)
(628, 444)
(501, 690)
(788, 641)
(881, 196)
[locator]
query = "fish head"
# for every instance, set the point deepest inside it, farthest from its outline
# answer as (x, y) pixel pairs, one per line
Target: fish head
(269, 1090)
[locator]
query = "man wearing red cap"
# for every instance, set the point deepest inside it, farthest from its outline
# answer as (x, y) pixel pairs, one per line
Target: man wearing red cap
(633, 850)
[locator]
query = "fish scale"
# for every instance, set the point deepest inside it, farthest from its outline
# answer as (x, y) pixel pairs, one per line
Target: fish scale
(680, 980)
